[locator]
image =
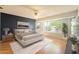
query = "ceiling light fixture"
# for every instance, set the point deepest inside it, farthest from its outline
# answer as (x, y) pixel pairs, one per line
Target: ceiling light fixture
(36, 12)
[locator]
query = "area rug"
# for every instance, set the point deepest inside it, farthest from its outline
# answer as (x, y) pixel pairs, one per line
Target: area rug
(18, 49)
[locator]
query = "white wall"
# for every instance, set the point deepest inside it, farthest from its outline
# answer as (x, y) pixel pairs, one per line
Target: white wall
(78, 11)
(18, 10)
(40, 30)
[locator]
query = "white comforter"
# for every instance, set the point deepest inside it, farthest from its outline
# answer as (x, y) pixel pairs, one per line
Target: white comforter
(29, 39)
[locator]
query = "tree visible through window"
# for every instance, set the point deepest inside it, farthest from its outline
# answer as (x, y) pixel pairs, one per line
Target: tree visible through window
(55, 26)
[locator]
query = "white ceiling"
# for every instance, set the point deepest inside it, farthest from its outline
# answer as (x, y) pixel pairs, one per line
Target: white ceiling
(43, 10)
(50, 10)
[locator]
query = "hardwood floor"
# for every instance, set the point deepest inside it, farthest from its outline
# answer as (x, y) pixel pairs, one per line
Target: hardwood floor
(57, 45)
(59, 42)
(5, 46)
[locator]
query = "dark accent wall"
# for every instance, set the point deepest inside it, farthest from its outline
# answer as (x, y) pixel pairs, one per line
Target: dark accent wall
(0, 25)
(10, 21)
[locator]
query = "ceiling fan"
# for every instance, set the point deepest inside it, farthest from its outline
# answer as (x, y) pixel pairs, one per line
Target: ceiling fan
(36, 12)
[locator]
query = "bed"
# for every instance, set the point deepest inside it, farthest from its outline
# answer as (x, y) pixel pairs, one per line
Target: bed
(25, 38)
